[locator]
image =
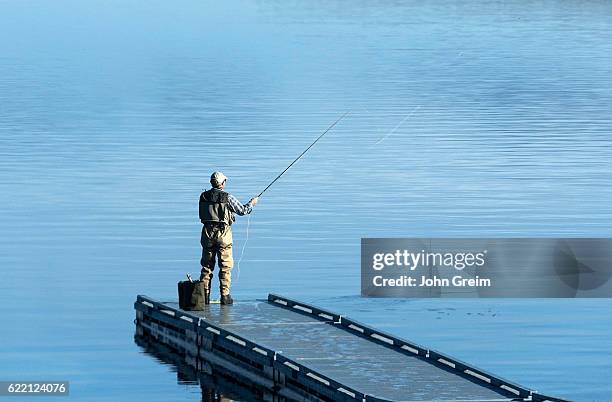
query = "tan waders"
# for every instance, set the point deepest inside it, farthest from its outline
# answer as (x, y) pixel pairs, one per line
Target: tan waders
(216, 243)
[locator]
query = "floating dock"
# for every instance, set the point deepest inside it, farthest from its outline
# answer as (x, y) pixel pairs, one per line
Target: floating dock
(295, 351)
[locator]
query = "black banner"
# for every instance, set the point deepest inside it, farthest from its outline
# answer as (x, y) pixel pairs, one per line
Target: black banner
(514, 267)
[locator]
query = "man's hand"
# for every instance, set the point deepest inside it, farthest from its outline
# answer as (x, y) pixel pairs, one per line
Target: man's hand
(254, 201)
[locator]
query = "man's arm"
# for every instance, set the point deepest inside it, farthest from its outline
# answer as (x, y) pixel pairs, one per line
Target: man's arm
(237, 207)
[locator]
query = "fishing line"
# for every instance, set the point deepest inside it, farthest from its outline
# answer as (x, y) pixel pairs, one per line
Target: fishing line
(243, 247)
(455, 63)
(398, 125)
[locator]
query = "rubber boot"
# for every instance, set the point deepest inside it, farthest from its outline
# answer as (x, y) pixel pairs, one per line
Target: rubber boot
(227, 299)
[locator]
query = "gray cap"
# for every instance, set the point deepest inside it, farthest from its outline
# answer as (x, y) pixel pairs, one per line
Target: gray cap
(217, 178)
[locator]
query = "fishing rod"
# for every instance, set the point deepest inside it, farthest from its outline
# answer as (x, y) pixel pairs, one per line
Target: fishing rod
(306, 150)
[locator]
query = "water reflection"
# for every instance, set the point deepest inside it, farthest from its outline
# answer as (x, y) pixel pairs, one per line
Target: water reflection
(215, 384)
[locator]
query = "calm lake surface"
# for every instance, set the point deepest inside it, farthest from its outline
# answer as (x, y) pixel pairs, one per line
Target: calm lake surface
(469, 118)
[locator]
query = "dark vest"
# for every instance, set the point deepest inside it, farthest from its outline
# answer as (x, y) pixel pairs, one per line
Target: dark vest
(214, 207)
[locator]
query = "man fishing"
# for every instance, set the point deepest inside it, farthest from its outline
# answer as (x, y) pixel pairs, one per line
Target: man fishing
(217, 209)
(217, 213)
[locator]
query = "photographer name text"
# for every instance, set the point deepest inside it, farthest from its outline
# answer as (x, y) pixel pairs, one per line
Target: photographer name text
(426, 281)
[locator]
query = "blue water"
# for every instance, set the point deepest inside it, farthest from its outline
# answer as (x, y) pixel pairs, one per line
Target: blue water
(114, 113)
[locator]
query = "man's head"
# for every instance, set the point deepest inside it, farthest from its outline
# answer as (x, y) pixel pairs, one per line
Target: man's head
(217, 180)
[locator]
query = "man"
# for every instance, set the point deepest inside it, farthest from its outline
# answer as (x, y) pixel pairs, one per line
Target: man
(217, 209)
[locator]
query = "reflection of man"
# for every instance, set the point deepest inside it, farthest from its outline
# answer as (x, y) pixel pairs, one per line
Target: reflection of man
(217, 209)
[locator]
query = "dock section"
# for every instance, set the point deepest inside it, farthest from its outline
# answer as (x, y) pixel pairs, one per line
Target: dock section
(297, 351)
